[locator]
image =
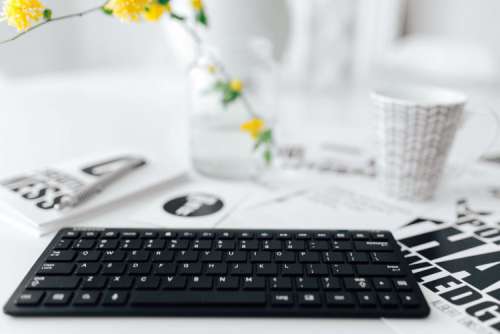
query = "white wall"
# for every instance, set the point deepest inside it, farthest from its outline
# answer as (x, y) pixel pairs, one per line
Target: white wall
(93, 41)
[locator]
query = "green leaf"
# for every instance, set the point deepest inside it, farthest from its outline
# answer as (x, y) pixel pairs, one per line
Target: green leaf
(268, 156)
(201, 17)
(47, 14)
(163, 2)
(107, 11)
(221, 86)
(177, 17)
(265, 137)
(229, 96)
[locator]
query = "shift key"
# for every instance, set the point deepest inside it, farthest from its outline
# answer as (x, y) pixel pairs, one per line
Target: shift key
(53, 282)
(380, 270)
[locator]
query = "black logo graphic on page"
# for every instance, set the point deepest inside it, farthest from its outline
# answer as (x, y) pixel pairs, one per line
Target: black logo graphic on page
(194, 205)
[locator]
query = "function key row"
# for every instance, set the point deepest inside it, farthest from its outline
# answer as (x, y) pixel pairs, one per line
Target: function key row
(228, 235)
(222, 244)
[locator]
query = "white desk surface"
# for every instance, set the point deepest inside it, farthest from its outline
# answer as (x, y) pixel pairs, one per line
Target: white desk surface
(60, 117)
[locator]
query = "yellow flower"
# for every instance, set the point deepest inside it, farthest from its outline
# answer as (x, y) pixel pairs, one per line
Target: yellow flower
(128, 10)
(211, 68)
(21, 14)
(197, 4)
(236, 85)
(153, 12)
(254, 127)
(168, 8)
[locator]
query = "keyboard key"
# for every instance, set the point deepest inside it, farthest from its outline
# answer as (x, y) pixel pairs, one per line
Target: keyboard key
(189, 268)
(201, 283)
(266, 269)
(162, 256)
(88, 268)
(341, 245)
(261, 256)
(366, 299)
(164, 269)
(271, 245)
(333, 257)
(280, 283)
(90, 235)
(282, 299)
(113, 256)
(139, 268)
(306, 283)
(236, 256)
(357, 283)
(202, 244)
(56, 269)
(70, 235)
(228, 283)
(388, 299)
(88, 256)
(53, 282)
(63, 244)
(86, 298)
(284, 257)
(380, 236)
(316, 245)
(330, 283)
(240, 269)
(94, 282)
(110, 235)
(30, 298)
(316, 269)
(309, 299)
(215, 269)
(149, 235)
(115, 298)
(147, 283)
(176, 298)
(121, 282)
(361, 236)
(60, 298)
(375, 246)
(408, 300)
(357, 257)
(113, 268)
(384, 257)
(84, 244)
(341, 236)
(380, 270)
(342, 269)
(264, 235)
(211, 256)
(61, 256)
(187, 256)
(309, 257)
(249, 245)
(339, 299)
(382, 284)
(292, 269)
(174, 283)
(402, 284)
(254, 283)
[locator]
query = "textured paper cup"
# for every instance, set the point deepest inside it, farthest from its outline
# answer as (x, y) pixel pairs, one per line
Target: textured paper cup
(415, 127)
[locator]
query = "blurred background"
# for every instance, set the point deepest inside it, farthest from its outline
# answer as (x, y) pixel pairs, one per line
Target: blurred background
(330, 41)
(328, 55)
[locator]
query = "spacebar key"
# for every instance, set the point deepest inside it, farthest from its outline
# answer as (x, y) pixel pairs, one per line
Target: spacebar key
(152, 298)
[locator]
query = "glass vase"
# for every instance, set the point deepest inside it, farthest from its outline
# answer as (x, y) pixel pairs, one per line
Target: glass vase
(219, 146)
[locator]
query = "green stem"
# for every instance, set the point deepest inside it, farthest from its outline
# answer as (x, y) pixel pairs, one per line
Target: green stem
(59, 18)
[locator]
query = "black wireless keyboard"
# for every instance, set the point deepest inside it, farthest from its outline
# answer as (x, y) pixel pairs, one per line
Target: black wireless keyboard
(136, 272)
